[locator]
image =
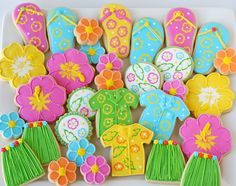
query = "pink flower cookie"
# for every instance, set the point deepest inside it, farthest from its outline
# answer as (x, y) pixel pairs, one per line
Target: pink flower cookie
(95, 170)
(205, 135)
(175, 87)
(71, 69)
(180, 27)
(42, 99)
(29, 20)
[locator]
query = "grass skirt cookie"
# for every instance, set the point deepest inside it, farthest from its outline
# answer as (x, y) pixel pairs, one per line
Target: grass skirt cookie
(147, 39)
(20, 164)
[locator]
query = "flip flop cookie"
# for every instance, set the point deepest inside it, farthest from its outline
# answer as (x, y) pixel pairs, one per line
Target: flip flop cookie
(61, 23)
(117, 24)
(181, 27)
(30, 22)
(147, 39)
(211, 38)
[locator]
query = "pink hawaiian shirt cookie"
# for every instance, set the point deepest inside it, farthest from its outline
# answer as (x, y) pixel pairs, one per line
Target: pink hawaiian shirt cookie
(175, 87)
(71, 69)
(42, 99)
(29, 20)
(181, 28)
(205, 135)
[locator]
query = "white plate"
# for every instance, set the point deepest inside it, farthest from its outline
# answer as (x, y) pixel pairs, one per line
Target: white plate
(204, 15)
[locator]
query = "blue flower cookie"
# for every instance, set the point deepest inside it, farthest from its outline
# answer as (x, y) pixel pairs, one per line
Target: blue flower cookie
(211, 38)
(61, 23)
(147, 39)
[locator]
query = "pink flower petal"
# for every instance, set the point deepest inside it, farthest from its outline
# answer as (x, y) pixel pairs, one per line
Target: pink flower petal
(189, 129)
(175, 83)
(215, 121)
(88, 72)
(28, 114)
(167, 86)
(25, 90)
(100, 160)
(100, 67)
(61, 81)
(89, 177)
(46, 83)
(105, 169)
(58, 110)
(84, 169)
(72, 85)
(99, 178)
(117, 64)
(202, 120)
(53, 64)
(189, 147)
(90, 160)
(112, 56)
(58, 95)
(103, 59)
(181, 90)
(47, 115)
(76, 56)
(22, 100)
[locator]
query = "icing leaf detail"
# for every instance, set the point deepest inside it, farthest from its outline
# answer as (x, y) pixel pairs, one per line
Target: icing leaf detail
(70, 136)
(184, 65)
(118, 151)
(129, 163)
(136, 131)
(109, 136)
(138, 71)
(76, 104)
(146, 86)
(165, 66)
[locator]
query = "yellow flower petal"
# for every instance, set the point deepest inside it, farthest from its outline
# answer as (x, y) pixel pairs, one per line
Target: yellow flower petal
(34, 55)
(38, 70)
(6, 72)
(192, 101)
(218, 81)
(17, 81)
(196, 83)
(13, 50)
(226, 100)
(206, 109)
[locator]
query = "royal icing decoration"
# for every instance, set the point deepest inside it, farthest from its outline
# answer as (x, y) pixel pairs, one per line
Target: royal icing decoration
(147, 39)
(78, 101)
(128, 157)
(113, 108)
(117, 24)
(174, 63)
(71, 127)
(61, 23)
(161, 112)
(209, 94)
(180, 27)
(211, 38)
(19, 63)
(95, 170)
(175, 87)
(142, 77)
(70, 69)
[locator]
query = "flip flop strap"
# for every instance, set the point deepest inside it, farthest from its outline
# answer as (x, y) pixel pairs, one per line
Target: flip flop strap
(24, 9)
(63, 17)
(179, 14)
(117, 14)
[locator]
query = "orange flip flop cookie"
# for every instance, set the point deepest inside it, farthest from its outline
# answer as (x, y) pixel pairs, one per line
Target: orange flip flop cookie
(117, 25)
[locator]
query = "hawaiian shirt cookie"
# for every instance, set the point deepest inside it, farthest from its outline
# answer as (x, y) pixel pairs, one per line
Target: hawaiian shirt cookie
(113, 108)
(117, 24)
(147, 39)
(161, 113)
(128, 157)
(180, 26)
(211, 38)
(72, 127)
(61, 23)
(29, 20)
(142, 77)
(174, 63)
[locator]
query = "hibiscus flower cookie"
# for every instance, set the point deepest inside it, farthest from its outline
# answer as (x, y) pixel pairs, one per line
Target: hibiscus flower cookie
(30, 21)
(147, 39)
(19, 63)
(117, 24)
(181, 28)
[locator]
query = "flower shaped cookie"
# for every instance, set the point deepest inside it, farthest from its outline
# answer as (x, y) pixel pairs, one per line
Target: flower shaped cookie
(175, 87)
(42, 99)
(225, 61)
(109, 61)
(209, 95)
(62, 172)
(109, 80)
(95, 169)
(71, 69)
(88, 32)
(19, 63)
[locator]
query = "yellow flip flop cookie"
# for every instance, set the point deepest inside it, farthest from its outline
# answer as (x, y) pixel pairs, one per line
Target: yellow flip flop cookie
(117, 24)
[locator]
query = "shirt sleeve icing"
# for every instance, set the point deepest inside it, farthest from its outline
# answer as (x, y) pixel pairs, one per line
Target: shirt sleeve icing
(131, 98)
(145, 135)
(181, 109)
(97, 100)
(108, 136)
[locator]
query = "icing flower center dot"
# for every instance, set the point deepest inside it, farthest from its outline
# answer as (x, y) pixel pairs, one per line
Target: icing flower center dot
(11, 124)
(172, 91)
(94, 169)
(109, 66)
(22, 66)
(89, 29)
(81, 152)
(109, 83)
(209, 96)
(91, 51)
(62, 171)
(227, 60)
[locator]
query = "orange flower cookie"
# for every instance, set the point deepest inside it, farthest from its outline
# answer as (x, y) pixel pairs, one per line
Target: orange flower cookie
(62, 172)
(88, 32)
(225, 61)
(109, 80)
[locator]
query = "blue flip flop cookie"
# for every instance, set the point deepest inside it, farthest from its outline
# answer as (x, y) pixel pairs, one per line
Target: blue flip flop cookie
(147, 39)
(211, 38)
(61, 23)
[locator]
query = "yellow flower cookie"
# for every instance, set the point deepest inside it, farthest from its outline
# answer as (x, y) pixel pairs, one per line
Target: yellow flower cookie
(209, 94)
(117, 24)
(19, 63)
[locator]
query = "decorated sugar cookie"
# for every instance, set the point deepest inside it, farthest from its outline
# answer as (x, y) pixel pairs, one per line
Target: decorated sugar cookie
(30, 21)
(42, 99)
(117, 24)
(88, 31)
(78, 101)
(211, 38)
(113, 108)
(19, 63)
(181, 28)
(174, 63)
(128, 157)
(161, 112)
(61, 23)
(95, 170)
(147, 39)
(175, 87)
(142, 77)
(71, 127)
(209, 94)
(70, 69)
(205, 134)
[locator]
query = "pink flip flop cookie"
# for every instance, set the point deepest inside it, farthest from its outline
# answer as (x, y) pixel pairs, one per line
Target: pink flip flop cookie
(29, 20)
(180, 28)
